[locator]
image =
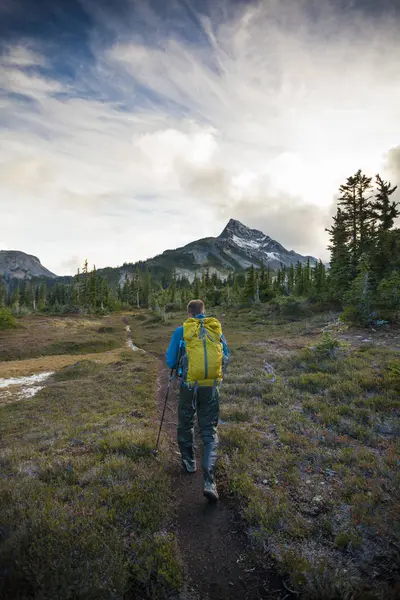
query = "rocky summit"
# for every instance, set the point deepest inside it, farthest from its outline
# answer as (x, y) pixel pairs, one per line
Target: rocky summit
(18, 265)
(238, 247)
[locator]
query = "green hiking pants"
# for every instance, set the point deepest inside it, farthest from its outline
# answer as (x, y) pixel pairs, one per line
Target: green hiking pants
(205, 401)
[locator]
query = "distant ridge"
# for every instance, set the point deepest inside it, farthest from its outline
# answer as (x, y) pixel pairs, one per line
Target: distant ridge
(238, 247)
(18, 265)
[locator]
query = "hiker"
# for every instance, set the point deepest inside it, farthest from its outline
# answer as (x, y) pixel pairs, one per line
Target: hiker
(198, 349)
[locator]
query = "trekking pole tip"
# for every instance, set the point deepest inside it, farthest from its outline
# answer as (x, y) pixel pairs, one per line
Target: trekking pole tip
(154, 452)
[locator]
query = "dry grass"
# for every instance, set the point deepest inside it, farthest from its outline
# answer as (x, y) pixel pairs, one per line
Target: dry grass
(84, 506)
(38, 335)
(313, 459)
(30, 366)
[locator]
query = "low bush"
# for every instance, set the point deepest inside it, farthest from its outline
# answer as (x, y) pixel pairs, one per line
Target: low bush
(7, 321)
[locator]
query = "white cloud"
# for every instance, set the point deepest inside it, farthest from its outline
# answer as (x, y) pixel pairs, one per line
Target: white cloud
(261, 123)
(22, 56)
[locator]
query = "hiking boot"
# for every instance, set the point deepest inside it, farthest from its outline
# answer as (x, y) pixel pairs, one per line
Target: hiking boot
(210, 491)
(188, 465)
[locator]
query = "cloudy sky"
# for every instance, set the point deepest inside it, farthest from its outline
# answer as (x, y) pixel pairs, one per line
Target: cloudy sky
(133, 126)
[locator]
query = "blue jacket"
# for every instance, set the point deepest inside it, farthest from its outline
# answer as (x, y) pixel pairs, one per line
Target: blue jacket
(173, 348)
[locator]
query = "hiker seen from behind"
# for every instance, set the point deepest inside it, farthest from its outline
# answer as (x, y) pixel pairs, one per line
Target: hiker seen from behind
(199, 352)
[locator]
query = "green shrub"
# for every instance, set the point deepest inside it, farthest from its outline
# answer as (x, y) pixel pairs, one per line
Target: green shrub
(297, 308)
(312, 382)
(7, 321)
(392, 375)
(388, 296)
(172, 307)
(350, 314)
(327, 346)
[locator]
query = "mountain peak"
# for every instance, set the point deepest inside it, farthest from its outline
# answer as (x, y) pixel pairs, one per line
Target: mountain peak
(18, 265)
(237, 228)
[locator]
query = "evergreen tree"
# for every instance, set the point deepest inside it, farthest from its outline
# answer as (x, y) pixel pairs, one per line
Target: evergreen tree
(184, 297)
(29, 301)
(85, 280)
(131, 288)
(299, 279)
(291, 279)
(173, 289)
(104, 294)
(138, 287)
(268, 279)
(249, 292)
(360, 296)
(93, 289)
(206, 280)
(147, 288)
(196, 287)
(266, 292)
(385, 255)
(42, 296)
(235, 287)
(388, 295)
(318, 276)
(385, 210)
(228, 295)
(339, 274)
(15, 300)
(77, 290)
(262, 275)
(279, 281)
(358, 216)
(22, 292)
(307, 278)
(3, 294)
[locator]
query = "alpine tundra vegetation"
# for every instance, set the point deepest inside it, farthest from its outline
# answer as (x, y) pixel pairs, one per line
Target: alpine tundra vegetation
(212, 189)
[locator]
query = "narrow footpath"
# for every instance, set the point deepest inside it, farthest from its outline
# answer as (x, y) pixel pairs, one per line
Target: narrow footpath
(212, 543)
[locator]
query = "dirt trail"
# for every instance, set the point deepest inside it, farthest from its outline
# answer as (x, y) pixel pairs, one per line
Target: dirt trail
(212, 544)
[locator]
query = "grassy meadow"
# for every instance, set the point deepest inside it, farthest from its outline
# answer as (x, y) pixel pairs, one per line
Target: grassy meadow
(312, 459)
(309, 456)
(85, 508)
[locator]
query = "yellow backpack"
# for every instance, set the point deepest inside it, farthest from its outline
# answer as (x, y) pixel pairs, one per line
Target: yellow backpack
(204, 354)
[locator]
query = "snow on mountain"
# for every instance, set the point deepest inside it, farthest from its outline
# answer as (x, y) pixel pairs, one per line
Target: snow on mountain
(237, 247)
(245, 243)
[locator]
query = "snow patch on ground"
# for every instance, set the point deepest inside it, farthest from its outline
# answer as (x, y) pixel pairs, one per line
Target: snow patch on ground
(132, 346)
(129, 341)
(31, 380)
(21, 388)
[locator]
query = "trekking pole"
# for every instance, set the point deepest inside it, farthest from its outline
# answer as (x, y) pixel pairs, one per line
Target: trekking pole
(155, 451)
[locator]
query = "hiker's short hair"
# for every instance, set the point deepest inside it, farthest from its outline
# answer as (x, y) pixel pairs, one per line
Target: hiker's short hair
(195, 307)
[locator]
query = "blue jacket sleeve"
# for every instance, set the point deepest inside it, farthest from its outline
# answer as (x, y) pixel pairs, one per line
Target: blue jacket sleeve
(225, 347)
(173, 348)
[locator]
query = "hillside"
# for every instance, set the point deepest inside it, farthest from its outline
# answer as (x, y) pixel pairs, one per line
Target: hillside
(18, 265)
(237, 248)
